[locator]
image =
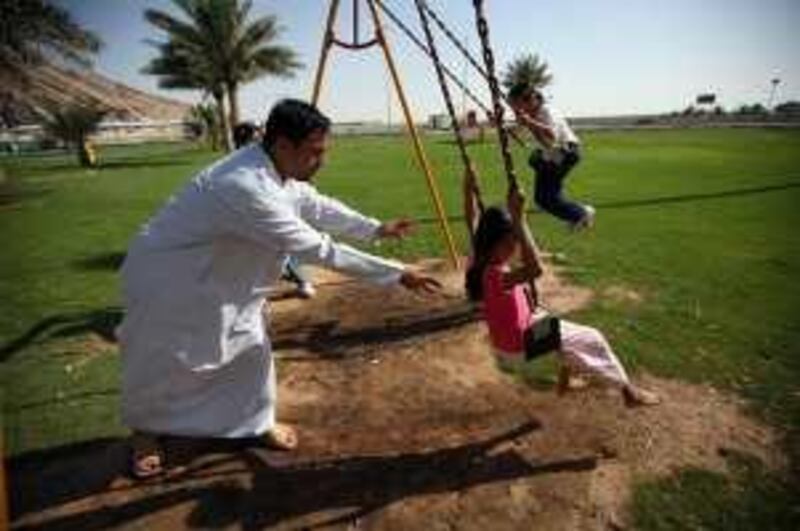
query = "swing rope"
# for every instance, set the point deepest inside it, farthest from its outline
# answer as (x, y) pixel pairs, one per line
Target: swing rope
(419, 44)
(469, 57)
(448, 72)
(513, 182)
(488, 59)
(462, 146)
(453, 39)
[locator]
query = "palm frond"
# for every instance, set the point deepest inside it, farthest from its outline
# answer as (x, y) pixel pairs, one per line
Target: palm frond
(215, 45)
(527, 69)
(36, 31)
(175, 28)
(272, 60)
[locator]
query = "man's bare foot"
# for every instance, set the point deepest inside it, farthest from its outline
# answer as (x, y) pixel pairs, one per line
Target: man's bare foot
(636, 396)
(281, 437)
(147, 456)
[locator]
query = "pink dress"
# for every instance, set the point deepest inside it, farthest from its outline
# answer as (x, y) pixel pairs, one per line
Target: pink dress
(507, 311)
(508, 315)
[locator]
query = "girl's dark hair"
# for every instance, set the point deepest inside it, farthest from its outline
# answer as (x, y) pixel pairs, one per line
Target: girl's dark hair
(295, 120)
(494, 225)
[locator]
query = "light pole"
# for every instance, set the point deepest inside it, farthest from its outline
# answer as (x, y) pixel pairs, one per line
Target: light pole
(775, 82)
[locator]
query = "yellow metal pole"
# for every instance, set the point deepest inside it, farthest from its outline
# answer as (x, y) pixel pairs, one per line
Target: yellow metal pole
(3, 488)
(327, 41)
(420, 152)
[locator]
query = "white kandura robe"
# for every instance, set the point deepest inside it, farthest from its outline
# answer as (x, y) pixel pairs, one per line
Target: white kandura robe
(196, 359)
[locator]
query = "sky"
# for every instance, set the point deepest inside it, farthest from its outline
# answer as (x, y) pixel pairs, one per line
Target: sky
(607, 57)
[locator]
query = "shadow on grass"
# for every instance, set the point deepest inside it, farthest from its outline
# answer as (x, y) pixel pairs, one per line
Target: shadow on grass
(13, 191)
(143, 163)
(102, 322)
(635, 203)
(62, 400)
(697, 197)
(102, 262)
(255, 488)
(12, 197)
(750, 498)
(43, 167)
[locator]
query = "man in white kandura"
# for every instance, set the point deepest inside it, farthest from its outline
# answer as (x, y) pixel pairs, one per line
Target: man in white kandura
(196, 360)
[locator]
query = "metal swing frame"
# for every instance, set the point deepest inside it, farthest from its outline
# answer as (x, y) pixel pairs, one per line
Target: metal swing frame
(328, 41)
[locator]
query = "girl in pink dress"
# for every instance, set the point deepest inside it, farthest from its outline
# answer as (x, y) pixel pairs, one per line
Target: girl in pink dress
(508, 299)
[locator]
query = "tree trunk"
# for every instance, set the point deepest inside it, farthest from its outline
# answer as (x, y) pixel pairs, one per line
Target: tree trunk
(224, 125)
(84, 157)
(233, 101)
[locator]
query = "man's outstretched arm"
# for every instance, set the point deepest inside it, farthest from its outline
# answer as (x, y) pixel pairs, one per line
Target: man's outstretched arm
(277, 227)
(331, 215)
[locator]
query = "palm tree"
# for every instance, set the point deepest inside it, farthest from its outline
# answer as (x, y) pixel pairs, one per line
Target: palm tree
(37, 31)
(216, 36)
(180, 65)
(73, 124)
(528, 69)
(251, 57)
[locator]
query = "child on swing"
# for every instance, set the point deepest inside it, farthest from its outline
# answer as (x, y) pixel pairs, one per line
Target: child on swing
(509, 299)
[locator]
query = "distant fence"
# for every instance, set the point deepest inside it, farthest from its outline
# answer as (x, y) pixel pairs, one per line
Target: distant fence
(367, 128)
(33, 137)
(647, 121)
(127, 132)
(661, 121)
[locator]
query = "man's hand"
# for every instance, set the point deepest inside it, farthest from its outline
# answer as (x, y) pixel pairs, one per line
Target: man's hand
(521, 116)
(416, 282)
(516, 204)
(398, 228)
(470, 174)
(543, 132)
(470, 180)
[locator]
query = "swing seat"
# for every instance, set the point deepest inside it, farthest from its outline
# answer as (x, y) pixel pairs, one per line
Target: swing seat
(542, 337)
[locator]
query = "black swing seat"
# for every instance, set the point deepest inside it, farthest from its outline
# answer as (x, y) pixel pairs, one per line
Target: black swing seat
(542, 337)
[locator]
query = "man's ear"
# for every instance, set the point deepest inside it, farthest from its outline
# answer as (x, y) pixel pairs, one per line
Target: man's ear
(279, 143)
(284, 146)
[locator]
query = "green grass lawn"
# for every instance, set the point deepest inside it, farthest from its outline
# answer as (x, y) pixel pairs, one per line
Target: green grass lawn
(701, 223)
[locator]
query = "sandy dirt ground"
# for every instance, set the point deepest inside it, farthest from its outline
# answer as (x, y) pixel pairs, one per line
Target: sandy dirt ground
(404, 423)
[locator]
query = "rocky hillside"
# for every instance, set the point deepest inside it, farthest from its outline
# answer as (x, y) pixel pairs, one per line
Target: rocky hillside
(50, 85)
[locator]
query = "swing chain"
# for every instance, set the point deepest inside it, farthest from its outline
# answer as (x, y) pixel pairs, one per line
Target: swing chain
(453, 39)
(488, 59)
(434, 53)
(418, 43)
(468, 56)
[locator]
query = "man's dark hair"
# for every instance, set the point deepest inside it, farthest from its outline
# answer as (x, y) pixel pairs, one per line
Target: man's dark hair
(244, 133)
(523, 91)
(295, 120)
